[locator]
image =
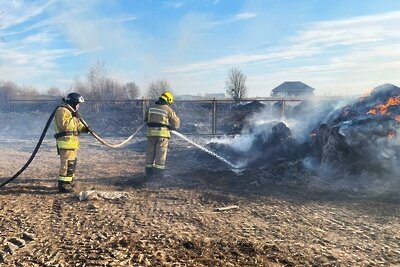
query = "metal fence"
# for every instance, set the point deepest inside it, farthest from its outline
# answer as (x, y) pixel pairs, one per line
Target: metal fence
(119, 118)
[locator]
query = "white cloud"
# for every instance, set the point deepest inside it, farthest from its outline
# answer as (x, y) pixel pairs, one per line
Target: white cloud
(351, 51)
(366, 29)
(361, 20)
(357, 51)
(42, 37)
(244, 16)
(17, 12)
(175, 4)
(243, 59)
(231, 19)
(22, 56)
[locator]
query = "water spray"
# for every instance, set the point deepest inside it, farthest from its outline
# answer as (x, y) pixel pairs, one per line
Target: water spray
(233, 166)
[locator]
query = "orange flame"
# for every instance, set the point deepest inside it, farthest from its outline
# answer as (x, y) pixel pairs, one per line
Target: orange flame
(391, 134)
(383, 108)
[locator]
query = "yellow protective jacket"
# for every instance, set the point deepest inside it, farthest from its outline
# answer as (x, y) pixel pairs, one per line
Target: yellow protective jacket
(67, 128)
(160, 119)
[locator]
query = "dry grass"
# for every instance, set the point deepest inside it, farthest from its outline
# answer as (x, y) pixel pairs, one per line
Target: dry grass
(173, 222)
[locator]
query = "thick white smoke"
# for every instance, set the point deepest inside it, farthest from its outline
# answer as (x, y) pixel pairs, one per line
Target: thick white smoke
(353, 150)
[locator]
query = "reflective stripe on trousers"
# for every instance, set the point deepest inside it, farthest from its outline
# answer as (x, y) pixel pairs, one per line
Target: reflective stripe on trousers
(161, 167)
(156, 152)
(68, 159)
(65, 178)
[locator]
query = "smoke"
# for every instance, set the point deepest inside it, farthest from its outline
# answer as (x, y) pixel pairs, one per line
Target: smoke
(255, 144)
(24, 119)
(360, 150)
(343, 143)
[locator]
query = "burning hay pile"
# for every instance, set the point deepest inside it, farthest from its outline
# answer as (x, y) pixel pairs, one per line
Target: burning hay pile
(359, 139)
(363, 135)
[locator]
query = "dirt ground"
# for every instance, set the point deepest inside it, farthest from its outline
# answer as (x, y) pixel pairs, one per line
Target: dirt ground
(175, 221)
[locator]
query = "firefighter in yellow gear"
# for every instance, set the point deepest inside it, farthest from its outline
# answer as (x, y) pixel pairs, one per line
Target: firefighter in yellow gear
(68, 127)
(160, 119)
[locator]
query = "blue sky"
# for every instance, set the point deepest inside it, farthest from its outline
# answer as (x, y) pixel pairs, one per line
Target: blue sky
(337, 47)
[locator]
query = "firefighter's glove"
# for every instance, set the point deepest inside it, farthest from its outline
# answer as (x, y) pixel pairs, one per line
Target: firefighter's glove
(76, 114)
(87, 129)
(171, 128)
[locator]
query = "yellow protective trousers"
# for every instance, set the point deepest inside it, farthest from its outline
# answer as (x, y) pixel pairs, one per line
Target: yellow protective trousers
(156, 152)
(68, 159)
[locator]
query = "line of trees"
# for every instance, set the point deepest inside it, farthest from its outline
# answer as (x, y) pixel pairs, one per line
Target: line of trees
(10, 90)
(98, 86)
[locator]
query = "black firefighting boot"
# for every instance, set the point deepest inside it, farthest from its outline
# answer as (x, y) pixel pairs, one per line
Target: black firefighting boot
(149, 172)
(159, 173)
(65, 187)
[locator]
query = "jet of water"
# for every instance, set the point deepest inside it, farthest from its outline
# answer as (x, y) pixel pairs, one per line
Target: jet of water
(205, 150)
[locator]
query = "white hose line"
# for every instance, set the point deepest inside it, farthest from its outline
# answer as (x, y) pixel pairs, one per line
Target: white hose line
(119, 144)
(205, 150)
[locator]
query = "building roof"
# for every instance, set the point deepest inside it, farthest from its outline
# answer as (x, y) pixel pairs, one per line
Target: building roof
(293, 87)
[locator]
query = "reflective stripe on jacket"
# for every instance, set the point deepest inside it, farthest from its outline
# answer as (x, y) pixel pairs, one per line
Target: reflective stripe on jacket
(159, 118)
(65, 122)
(158, 115)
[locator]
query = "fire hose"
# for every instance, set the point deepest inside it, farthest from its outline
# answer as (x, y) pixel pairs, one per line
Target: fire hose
(42, 136)
(104, 142)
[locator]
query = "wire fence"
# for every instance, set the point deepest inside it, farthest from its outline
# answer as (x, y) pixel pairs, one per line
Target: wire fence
(121, 118)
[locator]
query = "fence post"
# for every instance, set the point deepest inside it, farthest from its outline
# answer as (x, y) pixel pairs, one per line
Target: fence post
(214, 117)
(143, 108)
(283, 109)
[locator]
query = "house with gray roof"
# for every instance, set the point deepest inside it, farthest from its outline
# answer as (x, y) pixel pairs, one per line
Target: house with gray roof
(295, 88)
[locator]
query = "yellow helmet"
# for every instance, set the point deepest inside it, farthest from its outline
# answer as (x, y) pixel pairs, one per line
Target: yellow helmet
(168, 97)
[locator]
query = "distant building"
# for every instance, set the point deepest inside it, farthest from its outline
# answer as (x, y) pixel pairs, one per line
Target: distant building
(292, 89)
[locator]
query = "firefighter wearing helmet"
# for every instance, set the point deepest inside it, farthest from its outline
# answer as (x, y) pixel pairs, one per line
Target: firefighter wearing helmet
(68, 127)
(160, 119)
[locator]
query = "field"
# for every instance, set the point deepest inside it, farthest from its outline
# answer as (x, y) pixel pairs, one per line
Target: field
(180, 220)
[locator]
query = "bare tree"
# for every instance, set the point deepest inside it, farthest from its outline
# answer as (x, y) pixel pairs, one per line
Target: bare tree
(131, 90)
(54, 91)
(100, 87)
(10, 90)
(97, 80)
(79, 87)
(156, 88)
(28, 91)
(113, 90)
(236, 84)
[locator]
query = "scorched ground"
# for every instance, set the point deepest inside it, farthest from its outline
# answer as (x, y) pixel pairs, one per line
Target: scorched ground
(180, 220)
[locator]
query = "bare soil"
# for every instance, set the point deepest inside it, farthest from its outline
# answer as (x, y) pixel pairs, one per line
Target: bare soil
(174, 221)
